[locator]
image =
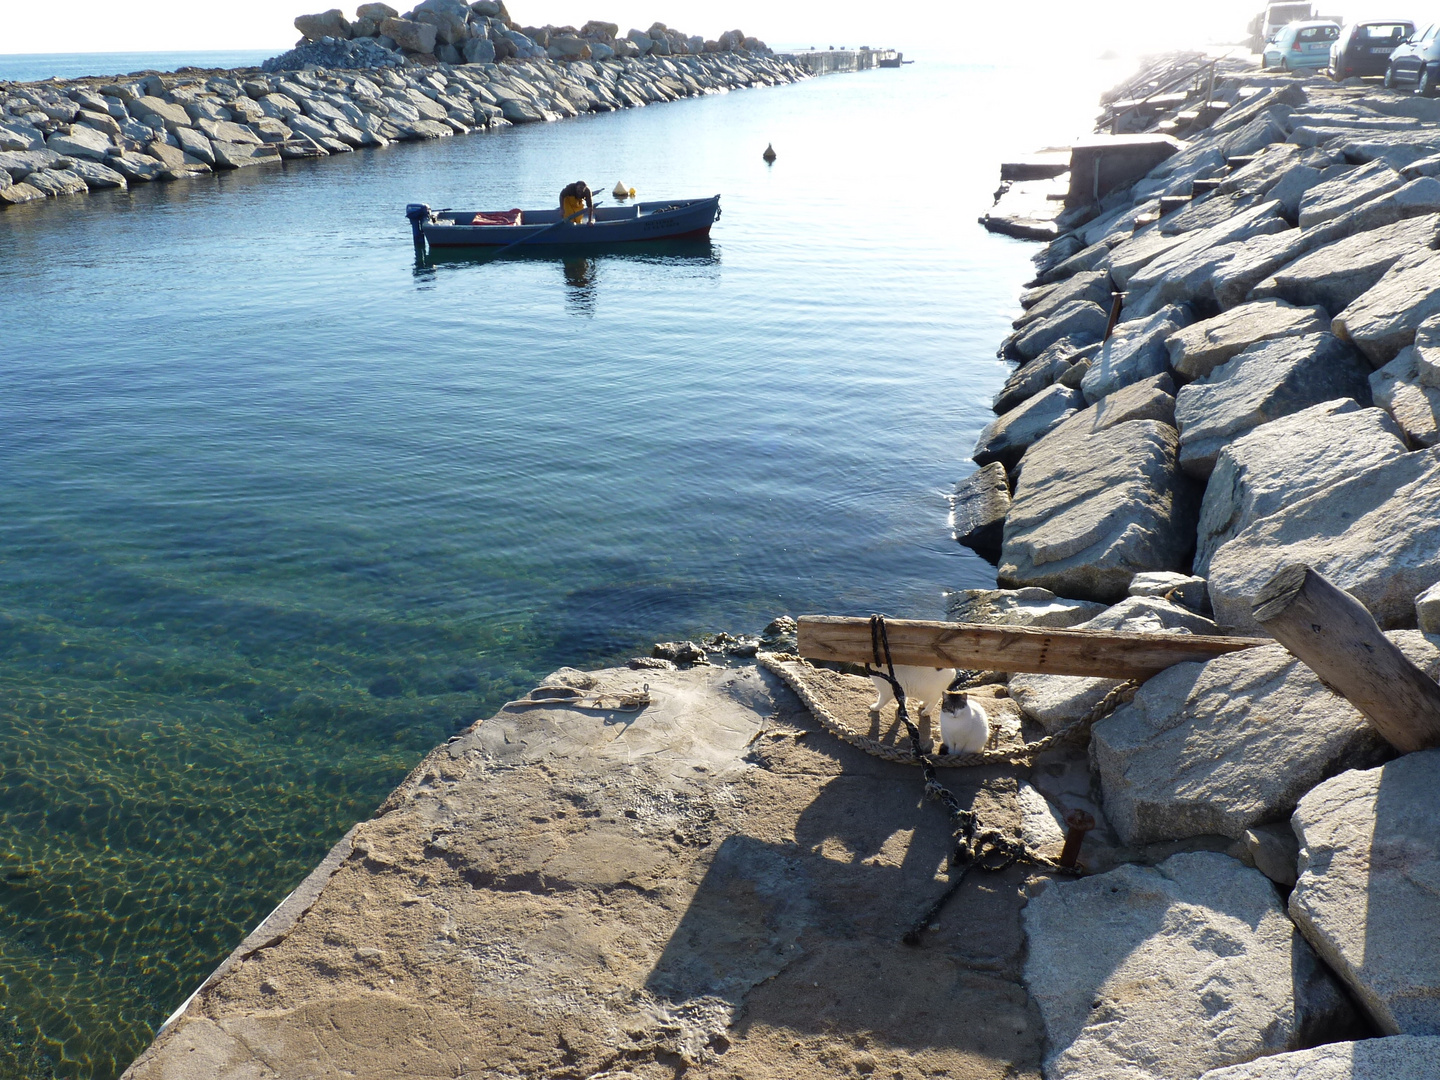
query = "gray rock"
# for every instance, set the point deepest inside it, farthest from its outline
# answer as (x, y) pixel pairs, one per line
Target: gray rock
(55, 182)
(97, 176)
(1075, 317)
(330, 23)
(15, 135)
(1206, 211)
(1335, 197)
(1397, 388)
(1135, 351)
(1198, 251)
(1094, 257)
(1164, 973)
(1262, 174)
(137, 168)
(479, 51)
(1134, 255)
(18, 193)
(1427, 610)
(21, 163)
(1053, 701)
(230, 155)
(1093, 285)
(1216, 748)
(1090, 511)
(1367, 897)
(1046, 369)
(1007, 437)
(195, 144)
(1266, 381)
(1375, 534)
(1018, 607)
(1148, 399)
(1199, 349)
(1382, 321)
(418, 37)
(978, 508)
(1399, 1057)
(82, 142)
(1292, 188)
(159, 113)
(1274, 851)
(1277, 464)
(1336, 275)
(1187, 590)
(1256, 260)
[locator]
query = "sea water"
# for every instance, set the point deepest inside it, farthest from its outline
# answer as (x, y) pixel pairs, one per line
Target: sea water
(284, 504)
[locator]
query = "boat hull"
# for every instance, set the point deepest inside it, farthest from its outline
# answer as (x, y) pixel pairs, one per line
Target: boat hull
(676, 219)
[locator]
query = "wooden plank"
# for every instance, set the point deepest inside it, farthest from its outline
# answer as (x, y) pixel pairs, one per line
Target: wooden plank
(1097, 653)
(1339, 640)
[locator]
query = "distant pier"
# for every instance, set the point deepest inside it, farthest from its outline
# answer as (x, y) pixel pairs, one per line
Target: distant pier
(831, 61)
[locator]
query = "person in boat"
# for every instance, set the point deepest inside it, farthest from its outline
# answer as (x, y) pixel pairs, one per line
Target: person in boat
(575, 198)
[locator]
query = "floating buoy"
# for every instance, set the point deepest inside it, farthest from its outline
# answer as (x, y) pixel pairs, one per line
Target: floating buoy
(769, 154)
(632, 192)
(622, 192)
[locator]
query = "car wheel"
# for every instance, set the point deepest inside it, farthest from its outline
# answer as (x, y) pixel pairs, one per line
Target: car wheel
(1264, 63)
(1425, 85)
(1390, 77)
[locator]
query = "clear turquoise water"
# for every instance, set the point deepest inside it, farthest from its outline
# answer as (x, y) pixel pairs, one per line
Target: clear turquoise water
(281, 507)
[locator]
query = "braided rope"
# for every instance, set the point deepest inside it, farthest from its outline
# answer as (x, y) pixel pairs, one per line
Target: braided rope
(776, 662)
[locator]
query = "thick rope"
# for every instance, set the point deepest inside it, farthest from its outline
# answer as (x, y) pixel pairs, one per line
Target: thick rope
(777, 662)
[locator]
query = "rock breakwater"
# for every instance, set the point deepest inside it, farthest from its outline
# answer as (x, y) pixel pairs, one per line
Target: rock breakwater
(70, 137)
(1225, 366)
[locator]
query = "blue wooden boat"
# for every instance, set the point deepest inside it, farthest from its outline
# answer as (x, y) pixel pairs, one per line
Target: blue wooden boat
(673, 219)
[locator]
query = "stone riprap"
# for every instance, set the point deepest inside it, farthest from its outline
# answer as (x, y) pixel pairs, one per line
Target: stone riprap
(1399, 1057)
(64, 137)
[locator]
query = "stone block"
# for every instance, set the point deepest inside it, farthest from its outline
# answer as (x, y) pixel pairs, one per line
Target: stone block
(1219, 747)
(1198, 248)
(1187, 590)
(1018, 607)
(1199, 349)
(1279, 463)
(1383, 319)
(1161, 973)
(1375, 534)
(1335, 197)
(1274, 851)
(18, 193)
(1399, 1057)
(1093, 285)
(1427, 610)
(1266, 381)
(977, 510)
(1253, 263)
(82, 142)
(1076, 317)
(1367, 896)
(98, 177)
(1007, 437)
(1045, 370)
(1135, 351)
(330, 23)
(1090, 511)
(1397, 389)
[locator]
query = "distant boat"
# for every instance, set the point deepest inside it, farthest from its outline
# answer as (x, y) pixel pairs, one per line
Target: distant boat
(675, 219)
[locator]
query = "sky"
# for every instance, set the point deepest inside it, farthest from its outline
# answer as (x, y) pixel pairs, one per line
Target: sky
(960, 28)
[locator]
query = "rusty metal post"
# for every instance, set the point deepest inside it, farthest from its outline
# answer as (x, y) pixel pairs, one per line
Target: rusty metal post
(1080, 822)
(1117, 301)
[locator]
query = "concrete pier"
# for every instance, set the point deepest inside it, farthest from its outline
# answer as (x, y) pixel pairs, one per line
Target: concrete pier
(832, 61)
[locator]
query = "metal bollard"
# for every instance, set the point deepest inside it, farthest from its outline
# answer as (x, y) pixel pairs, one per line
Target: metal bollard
(1080, 823)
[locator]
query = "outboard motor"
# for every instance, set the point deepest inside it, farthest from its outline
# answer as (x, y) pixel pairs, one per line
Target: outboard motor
(418, 214)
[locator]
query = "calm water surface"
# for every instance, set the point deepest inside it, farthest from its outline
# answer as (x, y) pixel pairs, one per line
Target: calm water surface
(282, 507)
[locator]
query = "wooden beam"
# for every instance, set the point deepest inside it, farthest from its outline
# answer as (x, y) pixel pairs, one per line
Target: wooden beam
(1098, 653)
(1339, 640)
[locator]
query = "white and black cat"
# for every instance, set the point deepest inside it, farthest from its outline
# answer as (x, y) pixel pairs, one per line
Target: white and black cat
(964, 726)
(923, 688)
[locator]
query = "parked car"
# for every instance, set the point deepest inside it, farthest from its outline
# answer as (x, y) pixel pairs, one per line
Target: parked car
(1365, 48)
(1300, 46)
(1416, 62)
(1267, 24)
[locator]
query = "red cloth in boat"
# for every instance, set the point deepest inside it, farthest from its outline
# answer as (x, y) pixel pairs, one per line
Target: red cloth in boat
(496, 217)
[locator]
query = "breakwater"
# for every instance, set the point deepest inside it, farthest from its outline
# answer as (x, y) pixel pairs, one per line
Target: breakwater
(71, 137)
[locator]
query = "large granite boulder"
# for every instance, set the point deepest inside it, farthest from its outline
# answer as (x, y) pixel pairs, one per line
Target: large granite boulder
(1045, 370)
(1007, 437)
(82, 142)
(1133, 255)
(1162, 973)
(1090, 511)
(1134, 351)
(416, 37)
(977, 510)
(1383, 319)
(1215, 748)
(1266, 381)
(1277, 464)
(1368, 897)
(1335, 276)
(1094, 286)
(1427, 610)
(1054, 701)
(377, 13)
(1399, 1057)
(98, 177)
(1178, 265)
(330, 23)
(1335, 197)
(1264, 172)
(1018, 607)
(1075, 317)
(159, 113)
(1198, 350)
(1375, 534)
(1256, 260)
(1399, 390)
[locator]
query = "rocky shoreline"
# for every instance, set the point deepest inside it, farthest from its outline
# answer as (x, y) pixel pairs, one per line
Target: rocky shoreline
(74, 136)
(1225, 366)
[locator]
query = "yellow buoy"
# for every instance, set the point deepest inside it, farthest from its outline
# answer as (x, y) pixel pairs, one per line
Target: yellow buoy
(622, 192)
(632, 192)
(769, 154)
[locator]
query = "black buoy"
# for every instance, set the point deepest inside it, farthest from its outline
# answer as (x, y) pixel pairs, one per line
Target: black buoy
(769, 154)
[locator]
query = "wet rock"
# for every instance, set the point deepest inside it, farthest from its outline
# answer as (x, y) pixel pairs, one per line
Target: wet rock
(1281, 462)
(1018, 607)
(1366, 898)
(230, 155)
(1198, 350)
(1383, 319)
(98, 177)
(1219, 747)
(1187, 590)
(1375, 534)
(977, 510)
(680, 652)
(1053, 701)
(1135, 351)
(1274, 851)
(1090, 511)
(780, 634)
(1266, 381)
(650, 663)
(1007, 437)
(17, 193)
(1075, 317)
(1399, 1057)
(1194, 956)
(1335, 276)
(1335, 197)
(53, 182)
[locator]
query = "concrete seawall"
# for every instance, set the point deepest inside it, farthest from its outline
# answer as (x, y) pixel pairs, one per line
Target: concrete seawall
(832, 61)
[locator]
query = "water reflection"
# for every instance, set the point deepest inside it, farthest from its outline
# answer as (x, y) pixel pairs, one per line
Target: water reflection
(580, 281)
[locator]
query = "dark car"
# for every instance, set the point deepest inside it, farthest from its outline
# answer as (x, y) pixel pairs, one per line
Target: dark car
(1365, 48)
(1416, 63)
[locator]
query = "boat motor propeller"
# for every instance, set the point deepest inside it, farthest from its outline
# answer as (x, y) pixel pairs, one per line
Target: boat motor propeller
(417, 214)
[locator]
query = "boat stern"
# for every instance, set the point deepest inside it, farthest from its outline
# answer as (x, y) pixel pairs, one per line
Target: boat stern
(418, 214)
